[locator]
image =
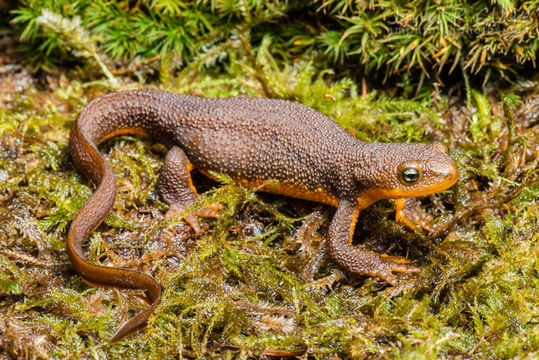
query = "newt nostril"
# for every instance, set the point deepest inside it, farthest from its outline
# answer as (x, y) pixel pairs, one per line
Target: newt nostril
(444, 169)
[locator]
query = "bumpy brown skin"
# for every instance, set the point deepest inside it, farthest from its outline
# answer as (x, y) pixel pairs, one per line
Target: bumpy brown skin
(254, 140)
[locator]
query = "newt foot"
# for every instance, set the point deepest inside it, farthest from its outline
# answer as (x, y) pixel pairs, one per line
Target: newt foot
(409, 212)
(389, 264)
(210, 211)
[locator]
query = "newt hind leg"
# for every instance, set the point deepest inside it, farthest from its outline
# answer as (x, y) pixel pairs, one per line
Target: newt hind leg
(177, 190)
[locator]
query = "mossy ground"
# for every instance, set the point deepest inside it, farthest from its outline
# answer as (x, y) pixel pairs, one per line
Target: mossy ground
(240, 287)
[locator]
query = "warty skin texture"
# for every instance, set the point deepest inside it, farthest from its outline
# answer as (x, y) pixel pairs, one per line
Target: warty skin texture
(298, 150)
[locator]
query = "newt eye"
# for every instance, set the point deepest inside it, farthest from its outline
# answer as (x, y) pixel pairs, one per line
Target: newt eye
(410, 175)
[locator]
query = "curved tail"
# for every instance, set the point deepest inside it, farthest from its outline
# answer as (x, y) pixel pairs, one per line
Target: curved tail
(90, 162)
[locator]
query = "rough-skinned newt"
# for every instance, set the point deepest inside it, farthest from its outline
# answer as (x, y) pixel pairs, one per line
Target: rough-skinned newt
(291, 148)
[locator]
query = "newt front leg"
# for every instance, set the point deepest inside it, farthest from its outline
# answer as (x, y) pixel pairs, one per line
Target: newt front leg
(354, 259)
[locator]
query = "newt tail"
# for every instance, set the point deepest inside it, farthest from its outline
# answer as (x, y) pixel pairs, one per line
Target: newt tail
(86, 221)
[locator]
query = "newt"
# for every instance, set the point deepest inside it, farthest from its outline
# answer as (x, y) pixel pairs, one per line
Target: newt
(285, 147)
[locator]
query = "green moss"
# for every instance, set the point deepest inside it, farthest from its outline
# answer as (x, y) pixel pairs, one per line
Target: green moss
(377, 40)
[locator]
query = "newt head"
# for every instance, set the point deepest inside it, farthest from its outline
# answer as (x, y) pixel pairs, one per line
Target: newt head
(404, 170)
